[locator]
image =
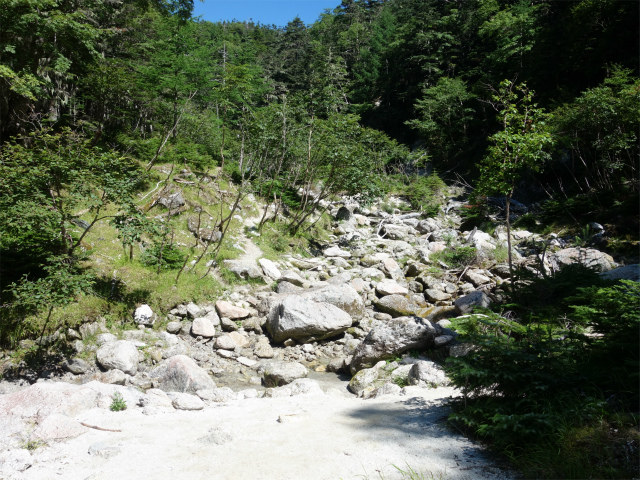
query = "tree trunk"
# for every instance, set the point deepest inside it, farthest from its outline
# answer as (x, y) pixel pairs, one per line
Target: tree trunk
(508, 205)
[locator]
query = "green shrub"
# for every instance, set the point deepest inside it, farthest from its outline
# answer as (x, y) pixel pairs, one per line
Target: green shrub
(537, 376)
(168, 256)
(118, 404)
(424, 193)
(457, 257)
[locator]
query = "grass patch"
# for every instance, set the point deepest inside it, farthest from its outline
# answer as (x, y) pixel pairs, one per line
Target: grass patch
(456, 257)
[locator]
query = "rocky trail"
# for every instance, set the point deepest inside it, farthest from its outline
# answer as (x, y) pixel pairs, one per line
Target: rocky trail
(326, 377)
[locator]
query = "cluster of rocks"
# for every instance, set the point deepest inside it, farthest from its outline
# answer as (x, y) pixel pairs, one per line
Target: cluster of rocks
(367, 306)
(373, 294)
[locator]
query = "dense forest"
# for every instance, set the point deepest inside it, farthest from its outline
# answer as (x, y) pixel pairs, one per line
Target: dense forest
(371, 89)
(531, 100)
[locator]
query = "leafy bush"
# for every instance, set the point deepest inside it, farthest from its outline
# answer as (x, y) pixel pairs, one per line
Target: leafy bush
(118, 404)
(423, 193)
(167, 256)
(537, 372)
(457, 257)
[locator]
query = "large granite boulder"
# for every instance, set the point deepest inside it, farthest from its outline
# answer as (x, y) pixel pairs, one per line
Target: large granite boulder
(144, 315)
(393, 338)
(588, 257)
(427, 373)
(305, 320)
(227, 310)
(269, 268)
(390, 287)
(181, 374)
(243, 270)
(122, 355)
(629, 272)
(344, 296)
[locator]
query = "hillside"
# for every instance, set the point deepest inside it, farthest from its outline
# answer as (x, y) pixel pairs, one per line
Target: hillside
(405, 200)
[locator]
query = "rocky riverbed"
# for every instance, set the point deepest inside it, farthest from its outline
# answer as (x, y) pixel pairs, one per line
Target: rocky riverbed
(322, 372)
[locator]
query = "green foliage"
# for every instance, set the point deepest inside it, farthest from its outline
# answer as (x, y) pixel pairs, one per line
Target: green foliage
(457, 256)
(401, 382)
(600, 128)
(165, 256)
(534, 375)
(425, 194)
(445, 114)
(117, 404)
(521, 143)
(41, 189)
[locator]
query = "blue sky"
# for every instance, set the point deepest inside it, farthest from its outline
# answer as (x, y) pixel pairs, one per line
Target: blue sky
(267, 12)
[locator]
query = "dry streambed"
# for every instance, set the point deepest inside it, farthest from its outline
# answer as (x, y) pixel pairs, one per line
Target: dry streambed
(323, 435)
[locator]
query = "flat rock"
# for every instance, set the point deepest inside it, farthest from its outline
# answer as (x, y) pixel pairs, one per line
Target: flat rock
(391, 287)
(263, 350)
(217, 395)
(225, 342)
(287, 287)
(476, 278)
(292, 277)
(77, 366)
(588, 257)
(391, 268)
(629, 272)
(186, 401)
(396, 305)
(58, 427)
(336, 252)
(304, 319)
(243, 270)
(434, 295)
(269, 268)
(228, 310)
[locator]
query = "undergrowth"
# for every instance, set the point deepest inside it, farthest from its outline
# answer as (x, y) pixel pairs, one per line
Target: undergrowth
(554, 376)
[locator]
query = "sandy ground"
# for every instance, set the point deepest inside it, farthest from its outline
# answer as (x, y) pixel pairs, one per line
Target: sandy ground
(324, 436)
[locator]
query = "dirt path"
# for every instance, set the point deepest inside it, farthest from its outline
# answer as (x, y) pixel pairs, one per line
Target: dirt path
(310, 437)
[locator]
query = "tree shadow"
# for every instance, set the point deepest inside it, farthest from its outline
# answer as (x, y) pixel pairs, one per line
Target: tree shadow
(114, 290)
(426, 419)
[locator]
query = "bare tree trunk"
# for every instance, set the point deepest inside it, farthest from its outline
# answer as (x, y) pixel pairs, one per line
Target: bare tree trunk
(508, 205)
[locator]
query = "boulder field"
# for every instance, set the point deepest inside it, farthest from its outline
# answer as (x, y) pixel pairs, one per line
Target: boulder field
(269, 381)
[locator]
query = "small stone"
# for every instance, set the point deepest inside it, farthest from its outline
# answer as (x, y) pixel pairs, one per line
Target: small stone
(263, 350)
(434, 295)
(113, 377)
(202, 327)
(185, 401)
(228, 325)
(144, 315)
(227, 310)
(193, 310)
(225, 342)
(174, 327)
(77, 366)
(269, 268)
(390, 287)
(247, 362)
